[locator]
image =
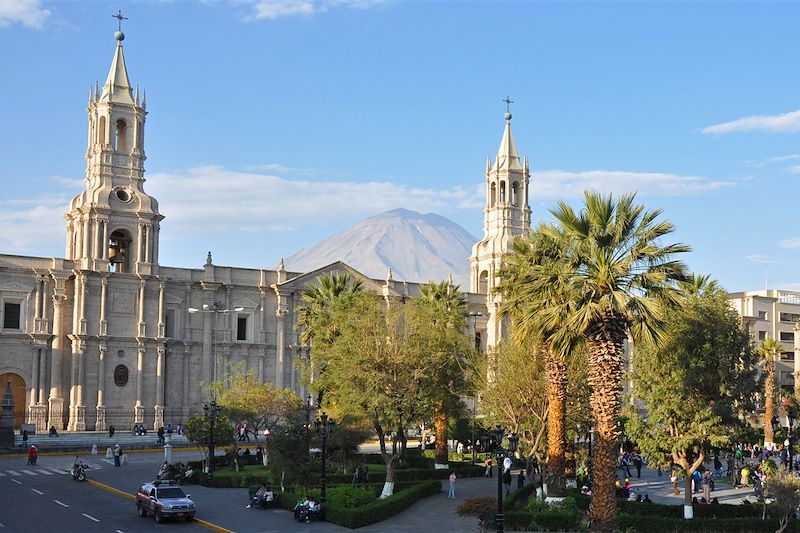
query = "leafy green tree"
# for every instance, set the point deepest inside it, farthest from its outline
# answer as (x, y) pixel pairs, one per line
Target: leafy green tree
(619, 279)
(198, 431)
(693, 382)
(768, 351)
(513, 393)
(534, 280)
(288, 449)
(383, 365)
(245, 399)
(449, 310)
(785, 489)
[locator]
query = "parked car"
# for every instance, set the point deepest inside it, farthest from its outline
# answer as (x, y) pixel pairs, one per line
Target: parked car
(164, 499)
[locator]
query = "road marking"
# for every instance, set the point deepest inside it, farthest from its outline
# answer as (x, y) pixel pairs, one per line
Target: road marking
(120, 531)
(40, 493)
(207, 525)
(90, 517)
(18, 482)
(109, 461)
(61, 504)
(29, 472)
(2, 474)
(59, 471)
(42, 471)
(13, 472)
(2, 525)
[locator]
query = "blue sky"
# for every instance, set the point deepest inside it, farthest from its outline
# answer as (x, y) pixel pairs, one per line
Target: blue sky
(308, 116)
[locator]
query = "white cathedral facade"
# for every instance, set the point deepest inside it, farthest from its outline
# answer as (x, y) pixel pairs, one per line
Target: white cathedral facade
(107, 335)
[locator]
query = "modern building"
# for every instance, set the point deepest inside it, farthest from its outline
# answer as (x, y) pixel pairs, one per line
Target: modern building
(107, 335)
(774, 314)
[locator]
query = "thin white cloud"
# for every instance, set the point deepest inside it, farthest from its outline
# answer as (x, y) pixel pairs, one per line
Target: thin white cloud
(761, 259)
(794, 169)
(275, 9)
(216, 200)
(29, 13)
(783, 123)
(790, 243)
(566, 184)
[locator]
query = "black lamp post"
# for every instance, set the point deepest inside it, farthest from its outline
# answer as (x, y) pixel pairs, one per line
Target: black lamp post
(324, 427)
(211, 412)
(500, 454)
(790, 419)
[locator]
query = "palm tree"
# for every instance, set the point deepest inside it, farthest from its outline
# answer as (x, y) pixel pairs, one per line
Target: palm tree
(314, 318)
(532, 280)
(768, 351)
(621, 281)
(451, 304)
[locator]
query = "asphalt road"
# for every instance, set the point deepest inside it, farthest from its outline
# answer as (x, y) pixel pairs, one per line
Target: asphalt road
(44, 498)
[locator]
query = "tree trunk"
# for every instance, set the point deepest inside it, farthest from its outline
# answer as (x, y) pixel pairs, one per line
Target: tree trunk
(556, 422)
(769, 398)
(440, 427)
(605, 344)
(391, 469)
(687, 487)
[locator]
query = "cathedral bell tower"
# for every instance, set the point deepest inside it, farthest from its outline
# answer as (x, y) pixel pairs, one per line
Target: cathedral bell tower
(113, 224)
(506, 216)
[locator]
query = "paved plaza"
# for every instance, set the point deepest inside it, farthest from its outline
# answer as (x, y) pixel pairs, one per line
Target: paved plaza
(43, 498)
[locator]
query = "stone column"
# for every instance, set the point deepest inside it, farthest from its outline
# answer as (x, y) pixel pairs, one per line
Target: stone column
(86, 238)
(77, 410)
(280, 349)
(139, 408)
(33, 393)
(101, 381)
(147, 242)
(185, 397)
(139, 237)
(159, 407)
(37, 307)
(141, 326)
(207, 362)
(105, 240)
(56, 399)
(82, 280)
(103, 299)
(162, 325)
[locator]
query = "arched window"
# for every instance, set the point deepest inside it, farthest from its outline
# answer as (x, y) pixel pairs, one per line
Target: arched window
(492, 195)
(515, 194)
(102, 139)
(119, 243)
(502, 192)
(120, 143)
(483, 282)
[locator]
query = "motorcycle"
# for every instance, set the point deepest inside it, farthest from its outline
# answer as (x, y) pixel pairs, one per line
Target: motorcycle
(78, 471)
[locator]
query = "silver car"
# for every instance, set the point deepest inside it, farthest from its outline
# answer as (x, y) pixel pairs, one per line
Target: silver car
(165, 500)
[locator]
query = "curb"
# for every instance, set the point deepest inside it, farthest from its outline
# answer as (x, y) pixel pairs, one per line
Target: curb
(108, 488)
(148, 450)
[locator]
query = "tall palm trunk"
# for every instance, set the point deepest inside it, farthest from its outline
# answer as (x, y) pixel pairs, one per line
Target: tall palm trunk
(605, 344)
(769, 398)
(556, 421)
(440, 427)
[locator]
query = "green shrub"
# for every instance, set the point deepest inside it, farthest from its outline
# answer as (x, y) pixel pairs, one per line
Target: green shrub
(555, 519)
(518, 498)
(350, 495)
(379, 510)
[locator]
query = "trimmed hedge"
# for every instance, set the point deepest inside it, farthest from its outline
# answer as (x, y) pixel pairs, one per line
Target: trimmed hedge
(518, 498)
(660, 524)
(381, 509)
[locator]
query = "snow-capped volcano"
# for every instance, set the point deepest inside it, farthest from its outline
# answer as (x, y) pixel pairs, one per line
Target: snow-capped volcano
(416, 247)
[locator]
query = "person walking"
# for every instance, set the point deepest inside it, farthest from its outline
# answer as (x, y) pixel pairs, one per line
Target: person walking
(117, 455)
(637, 462)
(32, 454)
(111, 430)
(674, 480)
(488, 465)
(451, 495)
(24, 438)
(507, 480)
(706, 482)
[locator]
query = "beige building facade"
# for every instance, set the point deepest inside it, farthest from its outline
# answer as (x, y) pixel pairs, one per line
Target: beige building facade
(774, 314)
(107, 335)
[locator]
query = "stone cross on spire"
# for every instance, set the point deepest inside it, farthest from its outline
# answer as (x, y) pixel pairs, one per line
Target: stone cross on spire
(119, 18)
(508, 101)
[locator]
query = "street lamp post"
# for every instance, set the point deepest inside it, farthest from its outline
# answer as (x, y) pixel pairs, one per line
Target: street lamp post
(790, 419)
(324, 427)
(211, 412)
(474, 451)
(500, 454)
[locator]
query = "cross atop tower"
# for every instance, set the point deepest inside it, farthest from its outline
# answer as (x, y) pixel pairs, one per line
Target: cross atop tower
(508, 101)
(119, 18)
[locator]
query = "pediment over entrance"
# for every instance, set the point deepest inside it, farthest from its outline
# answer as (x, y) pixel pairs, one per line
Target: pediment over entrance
(301, 282)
